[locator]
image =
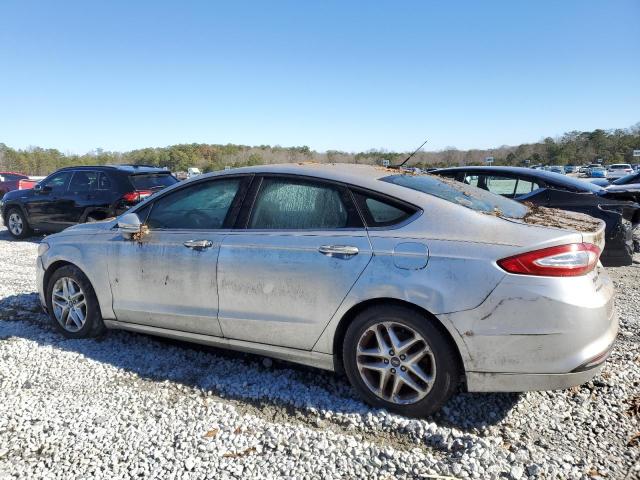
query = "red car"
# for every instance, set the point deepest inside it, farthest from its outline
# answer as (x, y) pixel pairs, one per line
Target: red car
(14, 181)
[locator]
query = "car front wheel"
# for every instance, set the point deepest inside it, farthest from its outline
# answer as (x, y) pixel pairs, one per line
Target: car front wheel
(397, 359)
(73, 305)
(17, 224)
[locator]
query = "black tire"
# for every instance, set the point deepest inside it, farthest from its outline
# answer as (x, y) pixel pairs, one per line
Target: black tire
(93, 326)
(447, 365)
(26, 229)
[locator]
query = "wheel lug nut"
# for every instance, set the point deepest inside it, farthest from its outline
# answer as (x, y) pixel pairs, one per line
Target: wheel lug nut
(391, 353)
(393, 370)
(386, 360)
(402, 357)
(404, 369)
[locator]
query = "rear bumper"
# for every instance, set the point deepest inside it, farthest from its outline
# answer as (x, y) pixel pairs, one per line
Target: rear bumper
(538, 333)
(524, 382)
(618, 249)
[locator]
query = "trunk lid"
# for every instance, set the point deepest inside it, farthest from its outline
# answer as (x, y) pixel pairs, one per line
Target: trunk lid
(591, 229)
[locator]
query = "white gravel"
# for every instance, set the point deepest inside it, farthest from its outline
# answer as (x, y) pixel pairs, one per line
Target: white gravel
(131, 406)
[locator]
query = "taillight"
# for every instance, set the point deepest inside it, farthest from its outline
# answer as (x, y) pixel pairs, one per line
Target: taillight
(135, 197)
(561, 261)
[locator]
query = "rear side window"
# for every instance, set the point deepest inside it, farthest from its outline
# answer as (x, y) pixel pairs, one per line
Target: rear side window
(202, 206)
(382, 212)
(104, 182)
(501, 185)
(84, 181)
(290, 204)
(152, 181)
(525, 186)
(460, 193)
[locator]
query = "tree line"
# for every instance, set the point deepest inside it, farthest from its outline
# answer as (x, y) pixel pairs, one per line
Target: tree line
(608, 146)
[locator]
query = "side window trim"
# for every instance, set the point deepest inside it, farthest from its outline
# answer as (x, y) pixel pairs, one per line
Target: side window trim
(247, 208)
(243, 187)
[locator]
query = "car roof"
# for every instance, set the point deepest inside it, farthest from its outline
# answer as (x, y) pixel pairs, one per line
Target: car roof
(545, 175)
(121, 168)
(363, 176)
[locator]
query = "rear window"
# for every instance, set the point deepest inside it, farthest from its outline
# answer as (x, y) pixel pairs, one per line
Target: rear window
(152, 181)
(619, 166)
(461, 194)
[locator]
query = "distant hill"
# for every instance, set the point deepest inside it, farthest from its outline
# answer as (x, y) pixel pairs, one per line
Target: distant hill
(612, 146)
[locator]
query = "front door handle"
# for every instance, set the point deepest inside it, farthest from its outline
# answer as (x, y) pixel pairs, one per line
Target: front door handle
(338, 250)
(198, 244)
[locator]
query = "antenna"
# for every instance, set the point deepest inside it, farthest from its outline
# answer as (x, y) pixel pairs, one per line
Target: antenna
(415, 151)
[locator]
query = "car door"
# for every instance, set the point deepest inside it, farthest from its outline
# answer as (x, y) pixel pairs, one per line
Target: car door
(44, 206)
(168, 277)
(82, 194)
(283, 274)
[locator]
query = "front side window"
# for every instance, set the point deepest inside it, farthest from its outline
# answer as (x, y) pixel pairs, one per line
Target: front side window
(290, 204)
(84, 181)
(57, 183)
(203, 206)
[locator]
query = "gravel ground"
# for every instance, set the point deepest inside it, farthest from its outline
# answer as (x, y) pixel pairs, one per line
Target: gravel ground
(129, 405)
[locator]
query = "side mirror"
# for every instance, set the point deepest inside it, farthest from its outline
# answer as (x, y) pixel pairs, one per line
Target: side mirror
(129, 224)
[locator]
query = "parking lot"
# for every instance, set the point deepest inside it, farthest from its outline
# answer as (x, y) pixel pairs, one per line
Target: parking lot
(131, 405)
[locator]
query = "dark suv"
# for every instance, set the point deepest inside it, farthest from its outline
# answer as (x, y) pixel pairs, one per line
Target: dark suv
(80, 194)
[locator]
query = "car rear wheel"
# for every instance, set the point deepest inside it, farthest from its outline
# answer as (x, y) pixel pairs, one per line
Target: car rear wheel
(17, 224)
(72, 304)
(398, 359)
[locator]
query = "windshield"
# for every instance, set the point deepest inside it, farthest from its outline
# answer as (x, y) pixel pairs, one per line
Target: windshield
(631, 178)
(461, 194)
(152, 181)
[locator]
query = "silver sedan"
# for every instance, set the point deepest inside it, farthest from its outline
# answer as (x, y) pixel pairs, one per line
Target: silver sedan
(409, 284)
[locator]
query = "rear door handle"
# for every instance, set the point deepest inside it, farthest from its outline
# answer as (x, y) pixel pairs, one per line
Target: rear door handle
(198, 244)
(338, 250)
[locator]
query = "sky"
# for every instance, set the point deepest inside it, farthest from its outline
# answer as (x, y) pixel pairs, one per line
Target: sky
(343, 75)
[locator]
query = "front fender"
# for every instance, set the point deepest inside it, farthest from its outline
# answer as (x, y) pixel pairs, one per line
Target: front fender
(89, 254)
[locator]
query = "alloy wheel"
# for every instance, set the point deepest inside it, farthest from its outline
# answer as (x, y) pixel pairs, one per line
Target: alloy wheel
(395, 362)
(69, 304)
(16, 226)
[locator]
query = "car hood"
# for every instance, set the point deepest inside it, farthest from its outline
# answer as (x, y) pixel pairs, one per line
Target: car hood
(17, 194)
(90, 228)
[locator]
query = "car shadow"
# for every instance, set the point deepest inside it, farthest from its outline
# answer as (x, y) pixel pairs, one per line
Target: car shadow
(245, 378)
(5, 235)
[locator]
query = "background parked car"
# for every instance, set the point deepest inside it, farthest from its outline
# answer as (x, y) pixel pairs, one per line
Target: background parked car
(590, 166)
(597, 172)
(559, 191)
(10, 181)
(557, 169)
(618, 170)
(79, 194)
(569, 169)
